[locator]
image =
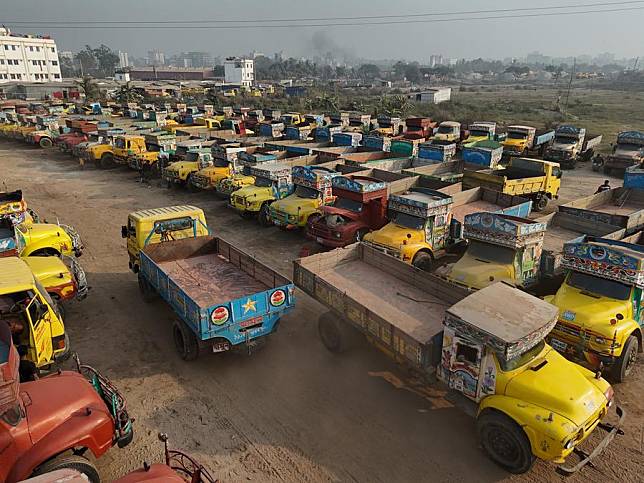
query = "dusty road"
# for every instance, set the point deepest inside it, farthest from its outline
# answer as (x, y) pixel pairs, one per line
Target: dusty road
(292, 412)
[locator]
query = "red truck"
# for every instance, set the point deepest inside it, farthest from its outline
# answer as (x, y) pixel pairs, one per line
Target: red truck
(422, 126)
(360, 206)
(51, 423)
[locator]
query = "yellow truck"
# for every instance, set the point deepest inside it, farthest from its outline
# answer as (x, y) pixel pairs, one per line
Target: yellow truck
(179, 221)
(30, 312)
(523, 140)
(312, 189)
(487, 350)
(601, 305)
(123, 147)
(182, 172)
(531, 178)
(448, 132)
(224, 165)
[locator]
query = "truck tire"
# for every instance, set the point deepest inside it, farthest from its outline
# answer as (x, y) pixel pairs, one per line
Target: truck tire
(264, 216)
(424, 261)
(70, 462)
(147, 291)
(185, 341)
(191, 187)
(360, 235)
(107, 161)
(45, 143)
(624, 365)
(504, 442)
(540, 203)
(331, 333)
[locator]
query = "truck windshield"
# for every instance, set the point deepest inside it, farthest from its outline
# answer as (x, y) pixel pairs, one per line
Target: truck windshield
(192, 157)
(181, 150)
(221, 163)
(517, 135)
(486, 252)
(478, 133)
(629, 147)
(263, 182)
(445, 129)
(407, 221)
(120, 143)
(306, 192)
(599, 286)
(349, 205)
(566, 140)
(521, 359)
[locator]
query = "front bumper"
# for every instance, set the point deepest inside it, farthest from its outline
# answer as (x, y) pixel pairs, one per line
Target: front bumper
(284, 220)
(201, 182)
(77, 243)
(385, 249)
(326, 237)
(586, 458)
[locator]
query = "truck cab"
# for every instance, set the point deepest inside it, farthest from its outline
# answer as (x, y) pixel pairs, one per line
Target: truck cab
(312, 190)
(601, 305)
(224, 165)
(519, 140)
(532, 402)
(501, 248)
(272, 182)
(25, 303)
(480, 131)
(567, 144)
(360, 206)
(448, 131)
(389, 126)
(150, 226)
(159, 145)
(628, 151)
(28, 238)
(182, 172)
(419, 227)
(291, 118)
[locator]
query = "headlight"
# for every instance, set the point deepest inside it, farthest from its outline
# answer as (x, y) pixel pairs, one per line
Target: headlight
(609, 394)
(600, 340)
(337, 234)
(569, 444)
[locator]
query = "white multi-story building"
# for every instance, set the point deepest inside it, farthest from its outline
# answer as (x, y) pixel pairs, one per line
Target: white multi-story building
(123, 59)
(28, 58)
(239, 71)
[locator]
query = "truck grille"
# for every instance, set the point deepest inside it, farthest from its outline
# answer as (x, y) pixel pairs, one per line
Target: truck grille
(280, 217)
(571, 331)
(239, 200)
(200, 181)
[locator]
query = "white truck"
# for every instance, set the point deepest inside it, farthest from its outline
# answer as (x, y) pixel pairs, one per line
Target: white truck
(572, 144)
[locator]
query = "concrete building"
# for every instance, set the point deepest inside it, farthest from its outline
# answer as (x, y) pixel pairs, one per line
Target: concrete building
(156, 57)
(122, 75)
(434, 96)
(123, 59)
(239, 71)
(196, 60)
(169, 73)
(28, 58)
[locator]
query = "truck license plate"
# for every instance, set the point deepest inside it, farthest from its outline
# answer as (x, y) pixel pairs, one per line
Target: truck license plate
(558, 345)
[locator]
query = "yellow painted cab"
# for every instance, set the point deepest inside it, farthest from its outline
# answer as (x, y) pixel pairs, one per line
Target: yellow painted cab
(24, 302)
(601, 305)
(63, 278)
(532, 402)
(501, 248)
(224, 165)
(144, 228)
(182, 172)
(418, 230)
(312, 190)
(47, 239)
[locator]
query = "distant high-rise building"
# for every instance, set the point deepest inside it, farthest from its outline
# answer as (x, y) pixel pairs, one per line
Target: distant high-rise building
(239, 71)
(30, 58)
(123, 60)
(435, 60)
(156, 57)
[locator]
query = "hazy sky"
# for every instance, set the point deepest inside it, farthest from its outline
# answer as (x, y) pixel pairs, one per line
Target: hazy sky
(618, 32)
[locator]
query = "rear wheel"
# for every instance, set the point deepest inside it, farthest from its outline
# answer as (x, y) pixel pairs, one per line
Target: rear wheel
(70, 462)
(331, 333)
(147, 291)
(45, 143)
(624, 365)
(190, 185)
(185, 341)
(107, 161)
(504, 442)
(540, 203)
(264, 217)
(423, 261)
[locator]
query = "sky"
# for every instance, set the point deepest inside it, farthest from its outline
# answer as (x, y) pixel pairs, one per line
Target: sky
(617, 32)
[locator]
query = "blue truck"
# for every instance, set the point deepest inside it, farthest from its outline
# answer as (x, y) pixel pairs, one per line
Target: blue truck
(224, 298)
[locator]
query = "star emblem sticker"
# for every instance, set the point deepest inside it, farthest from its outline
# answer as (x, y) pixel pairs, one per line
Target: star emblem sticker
(249, 305)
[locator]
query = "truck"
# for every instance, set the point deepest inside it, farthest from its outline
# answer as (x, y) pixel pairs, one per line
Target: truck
(600, 305)
(626, 152)
(291, 118)
(620, 207)
(422, 126)
(224, 298)
(51, 423)
(481, 131)
(159, 146)
(312, 190)
(486, 349)
(449, 132)
(124, 146)
(437, 152)
(389, 126)
(224, 165)
(572, 144)
(182, 172)
(487, 154)
(533, 178)
(424, 223)
(524, 140)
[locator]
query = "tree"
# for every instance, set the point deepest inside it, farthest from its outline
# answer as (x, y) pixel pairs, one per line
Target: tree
(368, 71)
(394, 106)
(412, 72)
(67, 67)
(126, 93)
(98, 62)
(89, 88)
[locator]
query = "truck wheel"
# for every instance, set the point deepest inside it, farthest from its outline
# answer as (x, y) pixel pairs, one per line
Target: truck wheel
(540, 203)
(70, 462)
(45, 143)
(331, 333)
(185, 341)
(264, 217)
(504, 442)
(147, 292)
(360, 235)
(624, 365)
(423, 261)
(107, 161)
(191, 187)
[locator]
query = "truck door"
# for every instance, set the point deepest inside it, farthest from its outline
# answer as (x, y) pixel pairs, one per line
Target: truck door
(40, 332)
(465, 367)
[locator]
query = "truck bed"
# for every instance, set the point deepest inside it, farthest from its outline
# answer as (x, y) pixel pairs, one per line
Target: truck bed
(482, 199)
(211, 279)
(397, 306)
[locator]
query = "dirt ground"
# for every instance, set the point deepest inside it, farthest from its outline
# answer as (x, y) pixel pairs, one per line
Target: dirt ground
(291, 412)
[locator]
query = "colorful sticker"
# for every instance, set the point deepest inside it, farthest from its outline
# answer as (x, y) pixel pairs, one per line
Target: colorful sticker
(219, 316)
(278, 298)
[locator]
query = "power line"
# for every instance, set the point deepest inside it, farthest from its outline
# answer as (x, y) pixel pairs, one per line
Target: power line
(246, 25)
(324, 19)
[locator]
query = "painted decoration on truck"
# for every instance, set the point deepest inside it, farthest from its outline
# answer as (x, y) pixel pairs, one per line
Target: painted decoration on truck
(499, 229)
(317, 178)
(358, 185)
(607, 262)
(421, 202)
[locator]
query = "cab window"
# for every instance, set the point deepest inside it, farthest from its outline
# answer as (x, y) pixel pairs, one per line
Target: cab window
(467, 353)
(36, 311)
(556, 172)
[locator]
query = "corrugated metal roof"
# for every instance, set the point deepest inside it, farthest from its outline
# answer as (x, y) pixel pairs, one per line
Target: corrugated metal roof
(165, 212)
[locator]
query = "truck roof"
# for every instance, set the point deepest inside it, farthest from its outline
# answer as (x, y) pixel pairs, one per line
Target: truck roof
(164, 213)
(500, 228)
(450, 123)
(358, 184)
(515, 320)
(523, 128)
(15, 274)
(421, 202)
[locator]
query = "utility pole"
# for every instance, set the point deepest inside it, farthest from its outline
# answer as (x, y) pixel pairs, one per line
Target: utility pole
(572, 74)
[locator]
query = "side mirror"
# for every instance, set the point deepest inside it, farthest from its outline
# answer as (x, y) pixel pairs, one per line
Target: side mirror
(124, 231)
